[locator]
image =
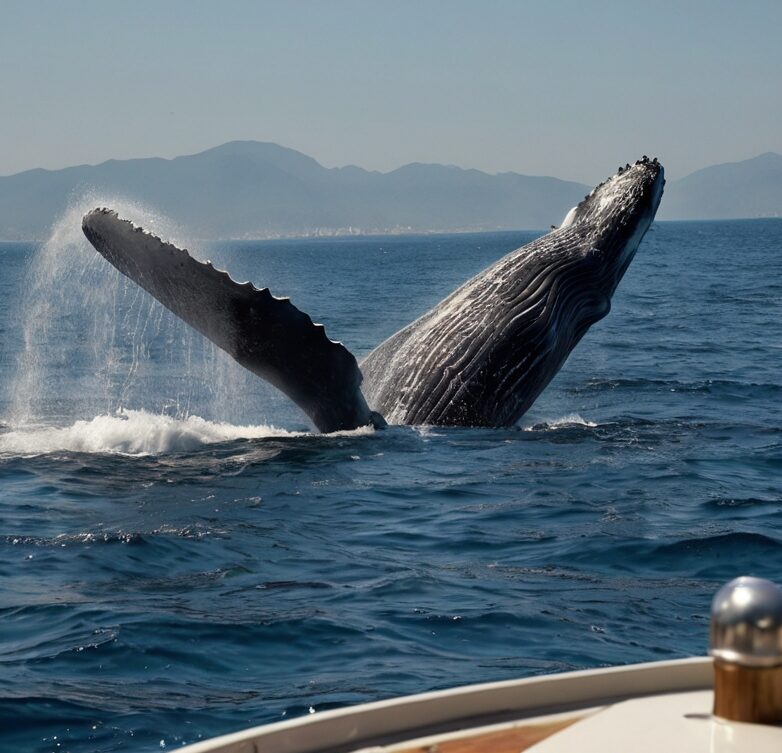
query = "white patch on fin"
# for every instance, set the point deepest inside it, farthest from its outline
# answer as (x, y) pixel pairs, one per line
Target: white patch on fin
(569, 217)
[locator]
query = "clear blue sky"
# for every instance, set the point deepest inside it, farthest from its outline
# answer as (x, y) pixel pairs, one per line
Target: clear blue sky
(554, 87)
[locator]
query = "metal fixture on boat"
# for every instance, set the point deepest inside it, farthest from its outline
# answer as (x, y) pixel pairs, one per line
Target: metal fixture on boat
(746, 643)
(746, 623)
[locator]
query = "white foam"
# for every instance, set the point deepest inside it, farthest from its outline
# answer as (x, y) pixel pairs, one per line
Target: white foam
(135, 432)
(565, 422)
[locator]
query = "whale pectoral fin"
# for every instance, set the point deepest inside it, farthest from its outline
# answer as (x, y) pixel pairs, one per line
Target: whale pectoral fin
(267, 335)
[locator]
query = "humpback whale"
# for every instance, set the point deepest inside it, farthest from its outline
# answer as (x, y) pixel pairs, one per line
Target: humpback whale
(479, 358)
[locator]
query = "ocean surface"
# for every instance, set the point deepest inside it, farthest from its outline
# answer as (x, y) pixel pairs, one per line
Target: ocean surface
(180, 556)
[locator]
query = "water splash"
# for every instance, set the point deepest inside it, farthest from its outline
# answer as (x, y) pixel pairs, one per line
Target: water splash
(94, 342)
(130, 432)
(565, 422)
(140, 433)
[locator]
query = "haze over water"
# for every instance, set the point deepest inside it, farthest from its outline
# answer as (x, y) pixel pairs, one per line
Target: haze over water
(181, 557)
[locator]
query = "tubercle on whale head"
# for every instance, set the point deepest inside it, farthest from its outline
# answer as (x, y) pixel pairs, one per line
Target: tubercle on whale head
(632, 191)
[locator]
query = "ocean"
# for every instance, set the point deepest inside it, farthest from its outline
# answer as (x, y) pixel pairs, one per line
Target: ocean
(181, 556)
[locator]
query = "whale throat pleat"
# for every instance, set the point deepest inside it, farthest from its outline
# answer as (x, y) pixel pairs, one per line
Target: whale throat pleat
(466, 361)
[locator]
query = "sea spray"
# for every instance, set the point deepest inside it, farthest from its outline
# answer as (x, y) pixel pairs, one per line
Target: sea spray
(94, 342)
(130, 432)
(140, 433)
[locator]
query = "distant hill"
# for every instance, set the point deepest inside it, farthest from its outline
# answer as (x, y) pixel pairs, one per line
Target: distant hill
(752, 188)
(249, 189)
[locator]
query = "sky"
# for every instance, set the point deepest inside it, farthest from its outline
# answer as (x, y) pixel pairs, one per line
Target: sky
(552, 87)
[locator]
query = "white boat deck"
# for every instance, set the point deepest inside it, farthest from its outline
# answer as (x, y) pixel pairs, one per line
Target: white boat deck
(662, 707)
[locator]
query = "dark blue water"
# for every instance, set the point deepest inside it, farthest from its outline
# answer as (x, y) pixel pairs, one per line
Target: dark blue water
(166, 578)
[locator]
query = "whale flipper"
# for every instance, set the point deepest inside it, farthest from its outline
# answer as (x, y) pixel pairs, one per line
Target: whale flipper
(267, 335)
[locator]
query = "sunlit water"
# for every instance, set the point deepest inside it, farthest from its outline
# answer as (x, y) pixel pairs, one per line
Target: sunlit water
(180, 556)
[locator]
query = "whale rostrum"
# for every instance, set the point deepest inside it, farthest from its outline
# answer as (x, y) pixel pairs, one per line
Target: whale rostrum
(479, 358)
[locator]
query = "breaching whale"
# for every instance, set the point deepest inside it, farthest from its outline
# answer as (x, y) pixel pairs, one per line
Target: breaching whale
(479, 358)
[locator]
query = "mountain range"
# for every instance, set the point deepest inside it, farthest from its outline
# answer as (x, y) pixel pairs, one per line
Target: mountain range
(250, 189)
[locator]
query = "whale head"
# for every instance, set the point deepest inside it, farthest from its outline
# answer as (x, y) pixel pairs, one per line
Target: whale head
(613, 218)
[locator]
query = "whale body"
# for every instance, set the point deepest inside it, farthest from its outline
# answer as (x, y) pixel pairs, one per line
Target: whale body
(480, 357)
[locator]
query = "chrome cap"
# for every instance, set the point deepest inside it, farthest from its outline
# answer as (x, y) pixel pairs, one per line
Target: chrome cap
(746, 623)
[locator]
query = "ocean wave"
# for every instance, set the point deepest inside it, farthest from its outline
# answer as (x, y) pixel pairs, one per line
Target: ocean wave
(111, 537)
(722, 545)
(737, 501)
(717, 555)
(707, 386)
